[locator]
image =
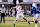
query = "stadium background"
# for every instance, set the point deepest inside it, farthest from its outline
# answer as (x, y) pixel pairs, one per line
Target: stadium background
(26, 5)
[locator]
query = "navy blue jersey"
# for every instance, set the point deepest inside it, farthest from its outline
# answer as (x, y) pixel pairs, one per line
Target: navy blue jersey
(34, 10)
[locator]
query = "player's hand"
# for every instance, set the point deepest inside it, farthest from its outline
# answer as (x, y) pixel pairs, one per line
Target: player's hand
(21, 9)
(11, 7)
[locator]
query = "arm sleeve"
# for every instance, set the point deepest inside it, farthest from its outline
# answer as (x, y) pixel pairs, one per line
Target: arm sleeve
(20, 7)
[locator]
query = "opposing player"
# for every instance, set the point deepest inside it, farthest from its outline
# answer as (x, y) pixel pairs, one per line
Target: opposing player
(19, 12)
(35, 12)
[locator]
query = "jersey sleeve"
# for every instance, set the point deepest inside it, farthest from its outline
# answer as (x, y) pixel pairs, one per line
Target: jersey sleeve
(20, 7)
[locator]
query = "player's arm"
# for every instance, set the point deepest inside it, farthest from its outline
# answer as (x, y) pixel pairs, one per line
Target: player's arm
(21, 9)
(0, 10)
(13, 7)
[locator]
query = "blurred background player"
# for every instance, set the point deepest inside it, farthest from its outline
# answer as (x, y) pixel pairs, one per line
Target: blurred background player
(3, 14)
(13, 12)
(19, 12)
(28, 12)
(35, 12)
(6, 12)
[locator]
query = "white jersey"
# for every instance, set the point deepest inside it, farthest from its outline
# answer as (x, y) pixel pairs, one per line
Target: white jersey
(19, 12)
(3, 10)
(18, 8)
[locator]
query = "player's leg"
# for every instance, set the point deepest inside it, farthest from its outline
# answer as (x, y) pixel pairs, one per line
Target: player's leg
(36, 23)
(35, 19)
(3, 18)
(16, 20)
(12, 14)
(24, 18)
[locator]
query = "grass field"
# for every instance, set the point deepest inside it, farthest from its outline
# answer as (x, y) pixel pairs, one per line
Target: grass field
(19, 24)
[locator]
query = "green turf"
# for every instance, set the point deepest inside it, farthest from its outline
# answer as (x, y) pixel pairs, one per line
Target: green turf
(19, 24)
